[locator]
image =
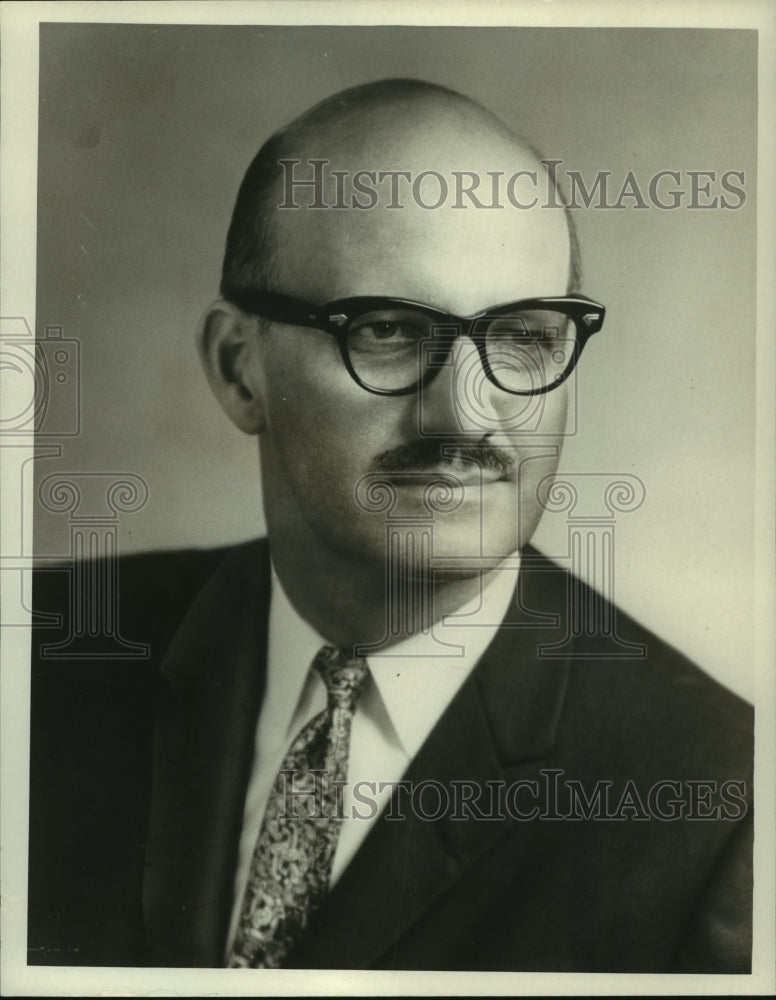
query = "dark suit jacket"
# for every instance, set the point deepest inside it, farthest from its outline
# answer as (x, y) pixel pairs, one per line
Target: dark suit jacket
(133, 836)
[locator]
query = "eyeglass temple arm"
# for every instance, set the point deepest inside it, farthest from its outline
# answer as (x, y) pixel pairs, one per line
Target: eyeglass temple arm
(277, 307)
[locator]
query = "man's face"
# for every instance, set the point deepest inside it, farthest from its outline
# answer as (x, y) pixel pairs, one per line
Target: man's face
(327, 439)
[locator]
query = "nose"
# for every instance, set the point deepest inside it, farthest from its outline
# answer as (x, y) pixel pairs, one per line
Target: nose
(461, 399)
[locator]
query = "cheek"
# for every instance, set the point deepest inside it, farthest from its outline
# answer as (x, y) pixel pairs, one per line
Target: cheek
(538, 456)
(322, 430)
(534, 430)
(555, 412)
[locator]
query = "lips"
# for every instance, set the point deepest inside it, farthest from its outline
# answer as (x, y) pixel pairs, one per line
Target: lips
(451, 474)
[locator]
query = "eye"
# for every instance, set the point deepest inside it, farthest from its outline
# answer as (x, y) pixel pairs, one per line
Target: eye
(388, 330)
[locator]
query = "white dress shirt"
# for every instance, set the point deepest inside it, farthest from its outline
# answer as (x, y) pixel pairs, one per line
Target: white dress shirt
(408, 688)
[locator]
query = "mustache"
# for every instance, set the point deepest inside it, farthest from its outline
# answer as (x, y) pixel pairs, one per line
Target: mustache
(435, 454)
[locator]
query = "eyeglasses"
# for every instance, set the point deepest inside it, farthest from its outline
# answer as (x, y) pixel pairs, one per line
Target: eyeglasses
(392, 347)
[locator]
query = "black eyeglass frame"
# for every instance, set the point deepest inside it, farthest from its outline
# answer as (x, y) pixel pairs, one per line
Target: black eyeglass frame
(335, 318)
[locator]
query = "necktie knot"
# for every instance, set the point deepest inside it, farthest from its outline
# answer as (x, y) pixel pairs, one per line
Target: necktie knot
(343, 678)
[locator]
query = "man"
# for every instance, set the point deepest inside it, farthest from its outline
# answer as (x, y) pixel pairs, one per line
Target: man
(389, 738)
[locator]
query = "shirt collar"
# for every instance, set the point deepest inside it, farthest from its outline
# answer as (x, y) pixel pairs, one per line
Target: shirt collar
(416, 678)
(292, 646)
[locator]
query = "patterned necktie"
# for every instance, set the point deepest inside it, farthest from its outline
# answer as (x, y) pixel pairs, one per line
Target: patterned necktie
(291, 865)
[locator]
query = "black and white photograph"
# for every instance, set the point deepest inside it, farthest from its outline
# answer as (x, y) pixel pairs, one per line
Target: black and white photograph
(388, 492)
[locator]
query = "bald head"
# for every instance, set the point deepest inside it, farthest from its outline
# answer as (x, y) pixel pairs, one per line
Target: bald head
(386, 177)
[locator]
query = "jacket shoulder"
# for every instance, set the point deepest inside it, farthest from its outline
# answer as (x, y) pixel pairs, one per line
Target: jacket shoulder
(642, 693)
(140, 599)
(101, 629)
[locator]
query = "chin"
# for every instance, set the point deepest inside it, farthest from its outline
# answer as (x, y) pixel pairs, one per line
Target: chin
(454, 551)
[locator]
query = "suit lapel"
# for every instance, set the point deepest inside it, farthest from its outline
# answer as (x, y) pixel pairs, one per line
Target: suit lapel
(506, 713)
(212, 682)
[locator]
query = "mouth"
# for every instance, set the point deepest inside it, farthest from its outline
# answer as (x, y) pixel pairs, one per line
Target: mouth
(451, 474)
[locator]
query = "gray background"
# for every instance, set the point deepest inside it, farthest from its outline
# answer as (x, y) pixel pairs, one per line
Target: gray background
(145, 132)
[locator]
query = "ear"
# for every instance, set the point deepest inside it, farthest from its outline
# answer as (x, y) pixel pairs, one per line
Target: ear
(229, 346)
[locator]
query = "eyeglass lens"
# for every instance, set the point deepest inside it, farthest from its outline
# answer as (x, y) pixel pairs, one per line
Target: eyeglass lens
(528, 351)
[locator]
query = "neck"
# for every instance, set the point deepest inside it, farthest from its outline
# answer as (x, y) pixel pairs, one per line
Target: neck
(350, 602)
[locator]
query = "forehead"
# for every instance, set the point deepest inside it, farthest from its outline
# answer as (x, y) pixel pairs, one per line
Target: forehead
(460, 255)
